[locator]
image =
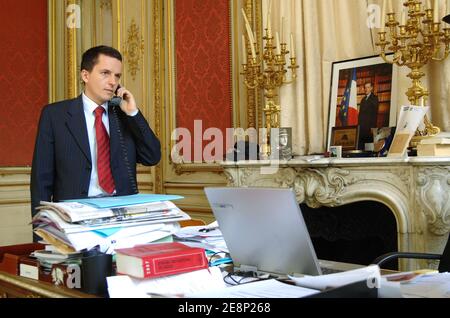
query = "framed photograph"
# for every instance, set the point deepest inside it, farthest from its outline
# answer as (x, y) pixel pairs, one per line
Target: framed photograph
(363, 93)
(336, 151)
(346, 137)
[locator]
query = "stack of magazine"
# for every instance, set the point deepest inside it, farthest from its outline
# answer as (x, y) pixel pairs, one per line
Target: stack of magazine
(109, 222)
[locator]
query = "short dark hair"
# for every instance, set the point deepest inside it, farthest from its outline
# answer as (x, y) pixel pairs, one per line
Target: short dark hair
(90, 57)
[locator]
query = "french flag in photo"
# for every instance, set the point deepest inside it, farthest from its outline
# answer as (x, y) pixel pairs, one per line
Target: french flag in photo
(349, 106)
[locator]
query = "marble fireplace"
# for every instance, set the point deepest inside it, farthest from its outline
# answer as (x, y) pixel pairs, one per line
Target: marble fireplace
(415, 190)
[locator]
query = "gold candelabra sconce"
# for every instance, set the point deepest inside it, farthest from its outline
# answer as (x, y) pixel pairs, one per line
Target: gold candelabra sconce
(268, 71)
(415, 41)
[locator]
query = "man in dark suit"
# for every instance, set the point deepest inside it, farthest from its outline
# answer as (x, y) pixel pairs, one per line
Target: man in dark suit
(367, 117)
(86, 147)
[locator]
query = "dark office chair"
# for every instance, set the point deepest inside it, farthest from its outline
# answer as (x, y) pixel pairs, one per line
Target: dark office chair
(444, 258)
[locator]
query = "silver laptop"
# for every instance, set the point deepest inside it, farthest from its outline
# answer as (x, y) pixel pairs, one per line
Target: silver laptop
(264, 230)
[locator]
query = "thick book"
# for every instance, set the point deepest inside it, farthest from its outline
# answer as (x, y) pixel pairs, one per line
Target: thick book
(436, 141)
(155, 260)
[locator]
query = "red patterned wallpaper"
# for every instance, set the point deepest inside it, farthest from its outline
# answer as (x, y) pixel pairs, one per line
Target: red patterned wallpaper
(23, 77)
(203, 64)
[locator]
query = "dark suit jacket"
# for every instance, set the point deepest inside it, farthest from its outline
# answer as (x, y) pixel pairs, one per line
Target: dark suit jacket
(367, 119)
(62, 161)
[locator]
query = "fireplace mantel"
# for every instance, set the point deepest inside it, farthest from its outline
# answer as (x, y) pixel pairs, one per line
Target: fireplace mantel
(416, 190)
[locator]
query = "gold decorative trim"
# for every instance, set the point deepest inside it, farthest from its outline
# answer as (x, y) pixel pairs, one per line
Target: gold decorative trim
(133, 49)
(258, 97)
(251, 93)
(119, 23)
(5, 184)
(189, 208)
(14, 202)
(15, 170)
(191, 186)
(197, 167)
(158, 87)
(170, 75)
(52, 51)
(71, 63)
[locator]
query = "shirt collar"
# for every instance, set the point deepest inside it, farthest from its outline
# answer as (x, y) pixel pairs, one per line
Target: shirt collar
(89, 105)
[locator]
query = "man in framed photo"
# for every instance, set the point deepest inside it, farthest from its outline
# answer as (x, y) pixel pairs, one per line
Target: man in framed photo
(367, 117)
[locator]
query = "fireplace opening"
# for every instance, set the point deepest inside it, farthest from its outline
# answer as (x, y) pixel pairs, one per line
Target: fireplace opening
(354, 233)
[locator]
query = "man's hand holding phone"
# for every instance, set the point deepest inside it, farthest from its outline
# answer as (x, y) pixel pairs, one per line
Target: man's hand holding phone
(128, 104)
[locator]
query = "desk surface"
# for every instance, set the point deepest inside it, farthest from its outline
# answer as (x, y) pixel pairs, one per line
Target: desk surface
(12, 286)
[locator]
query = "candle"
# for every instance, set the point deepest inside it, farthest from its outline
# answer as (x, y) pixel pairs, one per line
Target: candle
(249, 34)
(403, 20)
(292, 47)
(436, 11)
(251, 40)
(282, 29)
(428, 4)
(269, 28)
(383, 14)
(278, 44)
(245, 17)
(447, 7)
(390, 10)
(244, 51)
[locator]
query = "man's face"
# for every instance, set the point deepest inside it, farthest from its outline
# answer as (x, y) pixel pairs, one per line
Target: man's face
(368, 88)
(102, 81)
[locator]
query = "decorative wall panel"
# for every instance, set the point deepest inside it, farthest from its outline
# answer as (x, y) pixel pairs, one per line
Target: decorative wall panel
(203, 64)
(23, 77)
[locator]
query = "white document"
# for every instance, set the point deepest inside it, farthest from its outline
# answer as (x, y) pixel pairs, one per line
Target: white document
(408, 121)
(370, 273)
(270, 288)
(435, 285)
(204, 280)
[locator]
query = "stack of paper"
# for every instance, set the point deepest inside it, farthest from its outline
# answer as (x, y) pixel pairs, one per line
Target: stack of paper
(113, 222)
(204, 280)
(208, 237)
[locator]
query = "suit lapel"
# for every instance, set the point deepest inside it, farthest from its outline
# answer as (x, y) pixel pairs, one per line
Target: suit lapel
(76, 122)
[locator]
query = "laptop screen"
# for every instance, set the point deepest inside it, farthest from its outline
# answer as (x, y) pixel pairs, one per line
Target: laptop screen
(264, 230)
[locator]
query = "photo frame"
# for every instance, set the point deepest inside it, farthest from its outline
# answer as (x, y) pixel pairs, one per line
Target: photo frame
(350, 80)
(346, 137)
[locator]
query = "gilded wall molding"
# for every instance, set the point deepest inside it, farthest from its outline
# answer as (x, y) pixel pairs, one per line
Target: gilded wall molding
(158, 86)
(133, 49)
(72, 55)
(106, 4)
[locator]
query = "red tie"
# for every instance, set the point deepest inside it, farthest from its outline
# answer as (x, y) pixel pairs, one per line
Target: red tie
(105, 177)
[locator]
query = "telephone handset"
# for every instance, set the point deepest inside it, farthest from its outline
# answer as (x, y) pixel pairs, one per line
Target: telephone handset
(116, 100)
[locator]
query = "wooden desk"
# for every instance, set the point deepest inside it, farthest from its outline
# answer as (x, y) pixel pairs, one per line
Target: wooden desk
(12, 286)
